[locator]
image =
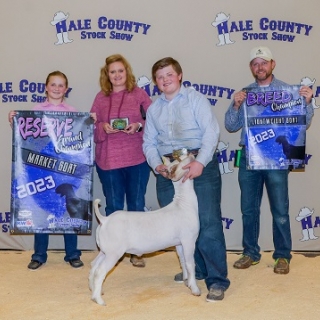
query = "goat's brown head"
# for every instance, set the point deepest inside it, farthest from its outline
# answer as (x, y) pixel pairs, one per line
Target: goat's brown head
(175, 168)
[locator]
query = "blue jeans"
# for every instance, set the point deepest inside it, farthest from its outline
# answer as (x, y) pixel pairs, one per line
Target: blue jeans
(41, 241)
(251, 184)
(130, 183)
(210, 252)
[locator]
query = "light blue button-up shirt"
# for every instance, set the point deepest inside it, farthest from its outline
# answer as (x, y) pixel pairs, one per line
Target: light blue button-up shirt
(186, 121)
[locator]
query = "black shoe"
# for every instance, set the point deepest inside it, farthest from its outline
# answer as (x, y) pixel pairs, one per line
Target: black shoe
(34, 265)
(179, 278)
(76, 263)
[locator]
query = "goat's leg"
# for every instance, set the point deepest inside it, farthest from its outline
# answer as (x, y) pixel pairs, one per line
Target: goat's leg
(180, 254)
(105, 265)
(188, 251)
(94, 265)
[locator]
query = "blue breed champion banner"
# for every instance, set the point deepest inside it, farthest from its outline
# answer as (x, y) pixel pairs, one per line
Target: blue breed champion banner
(276, 128)
(52, 172)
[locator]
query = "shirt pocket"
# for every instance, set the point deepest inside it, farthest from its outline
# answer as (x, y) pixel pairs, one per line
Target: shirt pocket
(184, 119)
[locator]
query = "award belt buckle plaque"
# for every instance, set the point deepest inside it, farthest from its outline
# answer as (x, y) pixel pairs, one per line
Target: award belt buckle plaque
(119, 123)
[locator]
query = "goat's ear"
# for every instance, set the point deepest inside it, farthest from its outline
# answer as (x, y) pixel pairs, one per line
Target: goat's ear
(165, 161)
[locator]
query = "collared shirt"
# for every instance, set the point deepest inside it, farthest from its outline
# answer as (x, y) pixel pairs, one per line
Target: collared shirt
(234, 119)
(186, 121)
(47, 106)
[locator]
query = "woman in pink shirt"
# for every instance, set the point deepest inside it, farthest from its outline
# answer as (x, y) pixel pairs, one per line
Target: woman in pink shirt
(120, 162)
(56, 88)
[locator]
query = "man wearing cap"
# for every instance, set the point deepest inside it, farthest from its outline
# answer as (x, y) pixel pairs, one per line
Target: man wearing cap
(251, 182)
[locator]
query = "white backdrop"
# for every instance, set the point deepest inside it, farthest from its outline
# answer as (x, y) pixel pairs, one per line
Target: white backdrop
(211, 40)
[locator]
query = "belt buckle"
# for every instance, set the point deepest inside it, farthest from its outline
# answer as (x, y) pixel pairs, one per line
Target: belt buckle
(179, 152)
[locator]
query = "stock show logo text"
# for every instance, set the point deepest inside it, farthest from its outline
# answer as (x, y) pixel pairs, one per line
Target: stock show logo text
(30, 91)
(267, 29)
(105, 28)
(5, 221)
(26, 87)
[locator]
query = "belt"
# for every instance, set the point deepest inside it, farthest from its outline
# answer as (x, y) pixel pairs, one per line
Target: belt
(177, 153)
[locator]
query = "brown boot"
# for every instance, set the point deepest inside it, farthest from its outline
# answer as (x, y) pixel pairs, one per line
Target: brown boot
(137, 261)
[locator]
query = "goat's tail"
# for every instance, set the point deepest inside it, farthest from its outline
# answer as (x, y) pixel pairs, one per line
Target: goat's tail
(97, 211)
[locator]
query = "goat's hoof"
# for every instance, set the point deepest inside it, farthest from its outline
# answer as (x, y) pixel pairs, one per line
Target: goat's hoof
(196, 292)
(99, 301)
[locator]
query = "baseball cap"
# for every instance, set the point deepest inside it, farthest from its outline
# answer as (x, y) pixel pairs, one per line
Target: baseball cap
(261, 52)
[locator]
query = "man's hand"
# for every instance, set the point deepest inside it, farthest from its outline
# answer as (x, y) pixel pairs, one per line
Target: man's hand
(239, 97)
(163, 170)
(195, 170)
(307, 93)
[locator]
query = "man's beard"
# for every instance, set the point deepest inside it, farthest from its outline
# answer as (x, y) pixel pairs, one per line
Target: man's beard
(262, 77)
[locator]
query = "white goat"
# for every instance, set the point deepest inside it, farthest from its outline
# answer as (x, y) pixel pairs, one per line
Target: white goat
(138, 233)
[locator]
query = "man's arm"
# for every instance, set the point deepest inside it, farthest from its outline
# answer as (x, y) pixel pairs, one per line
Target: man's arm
(234, 119)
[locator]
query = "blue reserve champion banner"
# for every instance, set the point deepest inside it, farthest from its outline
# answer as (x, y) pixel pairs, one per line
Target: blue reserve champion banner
(52, 172)
(276, 128)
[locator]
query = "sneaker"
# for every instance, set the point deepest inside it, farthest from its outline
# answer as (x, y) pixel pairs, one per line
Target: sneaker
(244, 262)
(76, 263)
(215, 294)
(179, 277)
(281, 266)
(34, 265)
(137, 261)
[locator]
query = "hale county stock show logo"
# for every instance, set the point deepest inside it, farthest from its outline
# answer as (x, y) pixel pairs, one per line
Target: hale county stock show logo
(104, 28)
(264, 29)
(124, 30)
